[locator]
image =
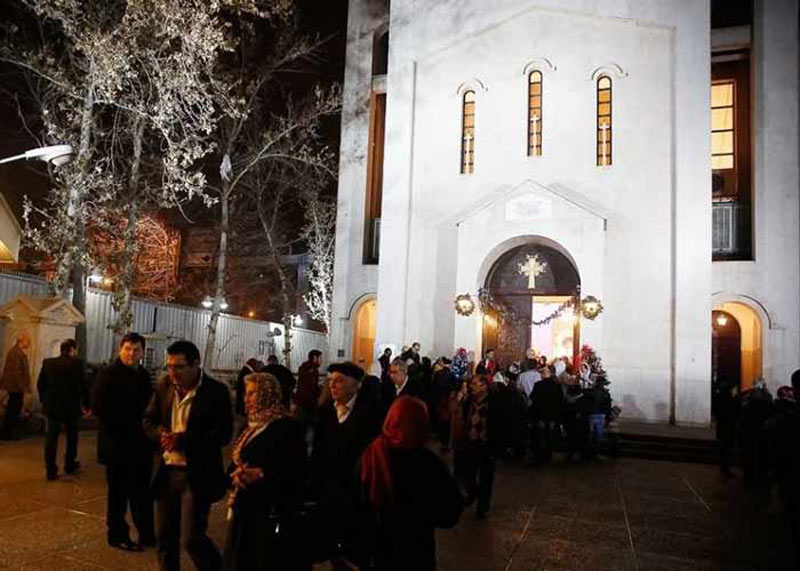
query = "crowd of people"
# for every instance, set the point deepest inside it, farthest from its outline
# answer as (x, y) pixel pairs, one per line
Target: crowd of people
(764, 431)
(343, 470)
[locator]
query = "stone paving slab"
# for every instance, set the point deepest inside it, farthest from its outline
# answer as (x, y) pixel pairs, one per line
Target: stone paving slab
(623, 514)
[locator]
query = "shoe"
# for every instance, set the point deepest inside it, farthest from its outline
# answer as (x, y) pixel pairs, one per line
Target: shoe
(72, 468)
(51, 476)
(147, 541)
(126, 545)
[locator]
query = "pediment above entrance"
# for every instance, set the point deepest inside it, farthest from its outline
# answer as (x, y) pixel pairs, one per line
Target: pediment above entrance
(531, 201)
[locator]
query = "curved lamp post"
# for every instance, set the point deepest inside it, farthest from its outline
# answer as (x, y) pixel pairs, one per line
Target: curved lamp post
(56, 155)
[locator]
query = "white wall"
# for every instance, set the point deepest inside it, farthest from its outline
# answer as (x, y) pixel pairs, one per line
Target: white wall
(641, 233)
(769, 283)
(353, 280)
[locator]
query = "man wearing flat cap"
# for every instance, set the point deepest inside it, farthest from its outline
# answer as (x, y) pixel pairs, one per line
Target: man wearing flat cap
(346, 425)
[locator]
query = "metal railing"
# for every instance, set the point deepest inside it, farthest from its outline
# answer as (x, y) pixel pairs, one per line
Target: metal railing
(730, 229)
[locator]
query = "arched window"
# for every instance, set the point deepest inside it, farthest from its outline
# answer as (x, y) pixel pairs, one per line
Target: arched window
(468, 133)
(535, 114)
(604, 133)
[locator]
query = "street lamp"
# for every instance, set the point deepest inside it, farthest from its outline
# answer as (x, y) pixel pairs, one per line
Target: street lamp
(56, 155)
(208, 303)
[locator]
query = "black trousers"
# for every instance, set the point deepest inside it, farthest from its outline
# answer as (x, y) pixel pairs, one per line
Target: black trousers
(474, 467)
(13, 410)
(129, 485)
(51, 443)
(182, 519)
(547, 433)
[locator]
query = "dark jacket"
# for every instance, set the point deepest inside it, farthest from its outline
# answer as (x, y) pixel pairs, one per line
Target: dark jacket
(62, 387)
(338, 446)
(120, 398)
(209, 428)
(547, 400)
(413, 388)
(308, 389)
(286, 380)
(334, 460)
(426, 497)
(598, 401)
(16, 372)
(280, 451)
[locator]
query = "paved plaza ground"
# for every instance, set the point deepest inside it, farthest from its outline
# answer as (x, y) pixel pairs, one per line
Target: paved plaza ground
(608, 514)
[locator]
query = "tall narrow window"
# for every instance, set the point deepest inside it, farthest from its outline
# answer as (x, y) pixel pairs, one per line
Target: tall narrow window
(468, 133)
(535, 114)
(722, 125)
(604, 121)
(731, 156)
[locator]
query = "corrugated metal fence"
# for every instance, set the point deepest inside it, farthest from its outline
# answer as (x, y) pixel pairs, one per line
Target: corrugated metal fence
(237, 338)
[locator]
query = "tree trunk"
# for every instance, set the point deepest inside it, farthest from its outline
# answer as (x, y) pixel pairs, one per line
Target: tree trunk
(287, 339)
(79, 250)
(286, 304)
(219, 292)
(122, 297)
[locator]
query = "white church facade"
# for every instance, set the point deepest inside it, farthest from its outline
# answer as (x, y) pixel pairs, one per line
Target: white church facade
(526, 154)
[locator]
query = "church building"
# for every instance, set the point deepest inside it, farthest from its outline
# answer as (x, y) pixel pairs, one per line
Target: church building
(560, 173)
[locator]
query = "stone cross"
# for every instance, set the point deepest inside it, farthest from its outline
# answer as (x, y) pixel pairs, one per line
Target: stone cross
(532, 267)
(604, 142)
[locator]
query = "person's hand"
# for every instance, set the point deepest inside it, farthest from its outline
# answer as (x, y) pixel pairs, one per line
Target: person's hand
(244, 475)
(168, 441)
(87, 412)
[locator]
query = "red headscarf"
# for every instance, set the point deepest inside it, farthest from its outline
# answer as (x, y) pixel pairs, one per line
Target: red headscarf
(406, 426)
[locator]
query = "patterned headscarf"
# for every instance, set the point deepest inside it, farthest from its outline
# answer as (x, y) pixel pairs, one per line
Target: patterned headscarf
(269, 402)
(269, 406)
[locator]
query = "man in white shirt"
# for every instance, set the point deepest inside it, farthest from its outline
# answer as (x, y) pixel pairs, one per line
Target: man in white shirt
(528, 378)
(190, 417)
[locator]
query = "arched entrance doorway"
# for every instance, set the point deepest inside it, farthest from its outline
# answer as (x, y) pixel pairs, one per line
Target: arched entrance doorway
(726, 351)
(528, 284)
(740, 359)
(364, 333)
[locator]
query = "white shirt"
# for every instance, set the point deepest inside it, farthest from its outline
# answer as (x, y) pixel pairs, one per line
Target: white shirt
(181, 407)
(528, 379)
(343, 414)
(401, 387)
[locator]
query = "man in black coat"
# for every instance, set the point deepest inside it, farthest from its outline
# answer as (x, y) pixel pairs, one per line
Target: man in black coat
(121, 394)
(190, 417)
(400, 384)
(64, 395)
(547, 407)
(284, 376)
(345, 427)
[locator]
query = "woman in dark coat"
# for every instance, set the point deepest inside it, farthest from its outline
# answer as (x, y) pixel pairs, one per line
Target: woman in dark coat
(408, 489)
(267, 472)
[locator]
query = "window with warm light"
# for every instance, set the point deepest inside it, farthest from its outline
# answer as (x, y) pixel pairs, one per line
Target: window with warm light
(731, 156)
(535, 114)
(722, 125)
(604, 133)
(468, 133)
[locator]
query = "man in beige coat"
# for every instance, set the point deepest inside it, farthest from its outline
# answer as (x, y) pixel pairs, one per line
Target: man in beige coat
(16, 380)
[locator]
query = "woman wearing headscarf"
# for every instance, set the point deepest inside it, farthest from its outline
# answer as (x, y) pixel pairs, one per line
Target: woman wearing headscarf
(408, 489)
(267, 472)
